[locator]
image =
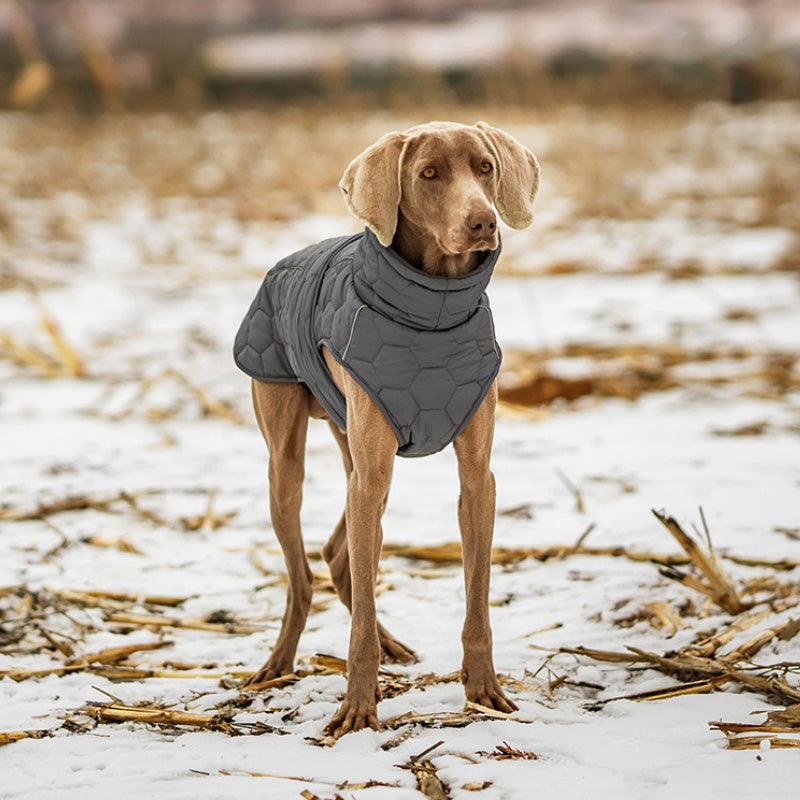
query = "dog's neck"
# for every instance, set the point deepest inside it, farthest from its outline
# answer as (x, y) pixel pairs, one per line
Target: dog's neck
(420, 249)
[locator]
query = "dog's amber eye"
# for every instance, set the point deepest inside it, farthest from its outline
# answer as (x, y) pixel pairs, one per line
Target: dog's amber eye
(429, 172)
(486, 168)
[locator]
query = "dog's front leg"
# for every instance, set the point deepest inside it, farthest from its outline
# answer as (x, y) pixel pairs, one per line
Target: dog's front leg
(372, 446)
(476, 507)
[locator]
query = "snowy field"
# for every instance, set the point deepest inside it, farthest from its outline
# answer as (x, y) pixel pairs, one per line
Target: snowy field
(653, 305)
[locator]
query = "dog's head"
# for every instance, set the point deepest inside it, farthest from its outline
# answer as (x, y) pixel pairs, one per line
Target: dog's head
(444, 178)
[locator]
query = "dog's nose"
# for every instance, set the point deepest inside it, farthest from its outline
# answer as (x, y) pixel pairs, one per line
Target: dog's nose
(482, 223)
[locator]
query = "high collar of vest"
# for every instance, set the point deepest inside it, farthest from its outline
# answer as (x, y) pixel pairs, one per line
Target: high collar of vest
(390, 285)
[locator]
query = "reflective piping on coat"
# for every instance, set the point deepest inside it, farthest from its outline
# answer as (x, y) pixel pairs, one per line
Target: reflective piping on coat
(352, 330)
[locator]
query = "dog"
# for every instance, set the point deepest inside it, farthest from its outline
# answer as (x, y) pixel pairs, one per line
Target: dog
(388, 335)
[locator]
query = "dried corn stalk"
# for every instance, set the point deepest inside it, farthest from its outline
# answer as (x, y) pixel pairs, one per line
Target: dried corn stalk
(428, 782)
(745, 736)
(7, 737)
(114, 712)
(719, 587)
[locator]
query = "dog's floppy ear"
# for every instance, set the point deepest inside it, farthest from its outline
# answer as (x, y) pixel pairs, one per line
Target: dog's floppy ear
(518, 177)
(371, 186)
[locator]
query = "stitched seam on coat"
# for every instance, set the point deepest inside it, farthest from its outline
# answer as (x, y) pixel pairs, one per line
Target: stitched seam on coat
(491, 322)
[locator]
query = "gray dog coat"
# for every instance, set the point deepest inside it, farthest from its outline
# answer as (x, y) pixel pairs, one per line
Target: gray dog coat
(422, 346)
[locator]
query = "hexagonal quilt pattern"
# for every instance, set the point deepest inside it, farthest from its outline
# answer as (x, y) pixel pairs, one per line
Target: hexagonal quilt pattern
(422, 346)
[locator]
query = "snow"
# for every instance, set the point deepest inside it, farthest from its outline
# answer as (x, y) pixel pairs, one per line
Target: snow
(146, 297)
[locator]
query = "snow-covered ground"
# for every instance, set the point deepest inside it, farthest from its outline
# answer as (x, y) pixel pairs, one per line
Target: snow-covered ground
(147, 292)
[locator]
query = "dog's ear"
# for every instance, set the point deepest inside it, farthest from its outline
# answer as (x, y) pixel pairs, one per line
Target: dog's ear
(518, 177)
(371, 186)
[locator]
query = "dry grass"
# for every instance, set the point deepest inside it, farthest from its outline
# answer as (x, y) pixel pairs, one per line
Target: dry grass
(285, 163)
(628, 371)
(58, 361)
(41, 622)
(256, 166)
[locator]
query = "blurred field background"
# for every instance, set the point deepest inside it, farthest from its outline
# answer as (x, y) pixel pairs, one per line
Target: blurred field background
(261, 103)
(124, 53)
(667, 133)
(118, 98)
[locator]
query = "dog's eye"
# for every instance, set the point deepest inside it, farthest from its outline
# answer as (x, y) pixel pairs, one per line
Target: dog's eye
(486, 167)
(428, 172)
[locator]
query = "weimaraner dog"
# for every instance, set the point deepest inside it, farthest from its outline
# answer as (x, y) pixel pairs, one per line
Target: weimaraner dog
(427, 196)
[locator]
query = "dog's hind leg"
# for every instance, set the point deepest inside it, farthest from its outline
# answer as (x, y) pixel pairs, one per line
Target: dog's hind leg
(282, 411)
(338, 559)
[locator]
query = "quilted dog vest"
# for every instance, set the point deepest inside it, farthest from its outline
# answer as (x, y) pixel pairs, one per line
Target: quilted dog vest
(421, 346)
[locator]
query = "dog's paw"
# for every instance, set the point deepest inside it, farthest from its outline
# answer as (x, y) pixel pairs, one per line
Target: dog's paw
(485, 691)
(271, 671)
(353, 715)
(393, 651)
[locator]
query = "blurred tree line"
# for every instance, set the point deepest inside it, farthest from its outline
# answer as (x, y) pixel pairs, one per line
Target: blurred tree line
(94, 54)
